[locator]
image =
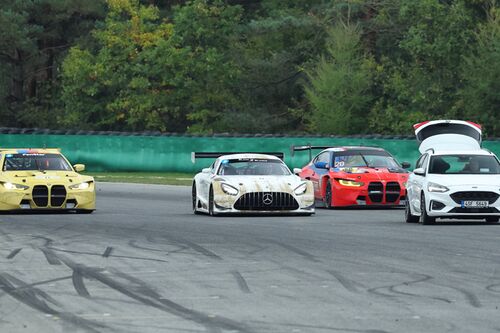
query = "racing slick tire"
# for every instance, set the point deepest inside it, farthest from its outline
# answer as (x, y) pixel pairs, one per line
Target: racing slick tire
(194, 200)
(424, 218)
(409, 217)
(211, 202)
(327, 199)
(492, 219)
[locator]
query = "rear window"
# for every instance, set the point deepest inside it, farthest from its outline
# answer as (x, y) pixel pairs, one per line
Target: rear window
(464, 164)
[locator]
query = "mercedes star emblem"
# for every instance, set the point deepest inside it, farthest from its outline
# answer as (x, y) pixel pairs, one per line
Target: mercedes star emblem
(267, 199)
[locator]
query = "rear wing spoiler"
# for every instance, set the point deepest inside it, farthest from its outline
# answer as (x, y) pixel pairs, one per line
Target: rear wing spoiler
(195, 155)
(52, 150)
(293, 149)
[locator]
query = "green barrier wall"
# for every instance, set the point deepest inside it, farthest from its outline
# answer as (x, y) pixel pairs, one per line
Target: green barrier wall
(173, 153)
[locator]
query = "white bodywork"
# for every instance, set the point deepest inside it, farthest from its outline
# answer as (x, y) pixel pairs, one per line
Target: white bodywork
(224, 203)
(437, 189)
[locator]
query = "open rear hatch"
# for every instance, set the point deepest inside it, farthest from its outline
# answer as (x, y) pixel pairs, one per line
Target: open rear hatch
(448, 135)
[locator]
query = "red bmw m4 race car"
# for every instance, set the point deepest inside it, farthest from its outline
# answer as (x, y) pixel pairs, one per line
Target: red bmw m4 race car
(355, 176)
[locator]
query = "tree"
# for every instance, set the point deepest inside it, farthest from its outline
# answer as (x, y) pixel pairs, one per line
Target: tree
(128, 80)
(340, 84)
(479, 98)
(35, 36)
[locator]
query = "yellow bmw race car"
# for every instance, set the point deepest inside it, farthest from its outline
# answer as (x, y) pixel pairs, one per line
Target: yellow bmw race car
(43, 179)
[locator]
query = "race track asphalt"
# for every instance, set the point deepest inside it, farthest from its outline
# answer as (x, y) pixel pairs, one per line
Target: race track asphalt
(144, 263)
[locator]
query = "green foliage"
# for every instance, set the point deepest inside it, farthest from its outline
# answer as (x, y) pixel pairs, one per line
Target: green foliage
(205, 66)
(340, 90)
(147, 73)
(479, 99)
(33, 40)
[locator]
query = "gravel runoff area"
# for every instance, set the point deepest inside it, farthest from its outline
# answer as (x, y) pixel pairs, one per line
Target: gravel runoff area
(144, 263)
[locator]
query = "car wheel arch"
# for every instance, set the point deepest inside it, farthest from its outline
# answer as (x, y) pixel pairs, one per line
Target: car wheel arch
(324, 182)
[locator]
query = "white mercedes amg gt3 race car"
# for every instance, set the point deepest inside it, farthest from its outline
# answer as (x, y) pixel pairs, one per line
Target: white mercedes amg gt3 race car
(250, 183)
(454, 178)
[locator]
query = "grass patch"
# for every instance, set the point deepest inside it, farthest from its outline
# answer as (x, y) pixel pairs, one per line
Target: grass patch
(163, 178)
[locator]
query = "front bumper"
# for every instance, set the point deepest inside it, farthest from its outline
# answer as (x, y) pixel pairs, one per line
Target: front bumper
(370, 194)
(443, 205)
(11, 200)
(263, 203)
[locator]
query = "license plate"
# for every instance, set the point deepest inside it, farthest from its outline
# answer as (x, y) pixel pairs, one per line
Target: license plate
(475, 204)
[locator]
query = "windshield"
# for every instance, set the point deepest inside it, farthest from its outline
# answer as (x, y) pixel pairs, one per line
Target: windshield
(464, 164)
(365, 160)
(17, 162)
(253, 167)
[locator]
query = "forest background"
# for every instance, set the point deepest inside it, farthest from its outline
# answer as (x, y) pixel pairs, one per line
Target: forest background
(257, 66)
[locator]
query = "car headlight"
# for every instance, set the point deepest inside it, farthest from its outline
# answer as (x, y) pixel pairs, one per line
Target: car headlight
(351, 183)
(13, 186)
(433, 187)
(228, 189)
(301, 189)
(81, 186)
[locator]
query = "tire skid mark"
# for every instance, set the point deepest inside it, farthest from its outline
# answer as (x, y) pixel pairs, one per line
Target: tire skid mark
(471, 298)
(6, 235)
(242, 283)
(48, 241)
(49, 255)
(196, 247)
(37, 299)
(315, 328)
(393, 292)
(100, 254)
(348, 284)
(133, 243)
(141, 292)
(300, 252)
(257, 250)
(493, 287)
(14, 253)
(43, 282)
(78, 283)
(107, 252)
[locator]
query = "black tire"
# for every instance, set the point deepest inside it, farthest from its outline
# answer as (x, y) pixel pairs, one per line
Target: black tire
(211, 202)
(492, 219)
(424, 218)
(193, 199)
(327, 199)
(409, 217)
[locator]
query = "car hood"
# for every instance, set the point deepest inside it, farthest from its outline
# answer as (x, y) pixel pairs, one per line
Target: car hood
(34, 176)
(465, 180)
(262, 183)
(372, 174)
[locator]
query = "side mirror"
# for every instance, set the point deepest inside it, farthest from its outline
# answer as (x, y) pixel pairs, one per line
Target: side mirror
(297, 171)
(419, 171)
(406, 165)
(206, 170)
(79, 167)
(321, 165)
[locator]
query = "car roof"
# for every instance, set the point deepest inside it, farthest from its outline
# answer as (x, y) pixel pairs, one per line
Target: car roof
(249, 156)
(462, 152)
(30, 150)
(351, 148)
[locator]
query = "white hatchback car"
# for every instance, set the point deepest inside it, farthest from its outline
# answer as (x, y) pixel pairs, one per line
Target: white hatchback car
(454, 178)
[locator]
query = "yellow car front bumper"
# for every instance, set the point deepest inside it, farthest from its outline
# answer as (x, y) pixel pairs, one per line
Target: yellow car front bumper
(28, 200)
